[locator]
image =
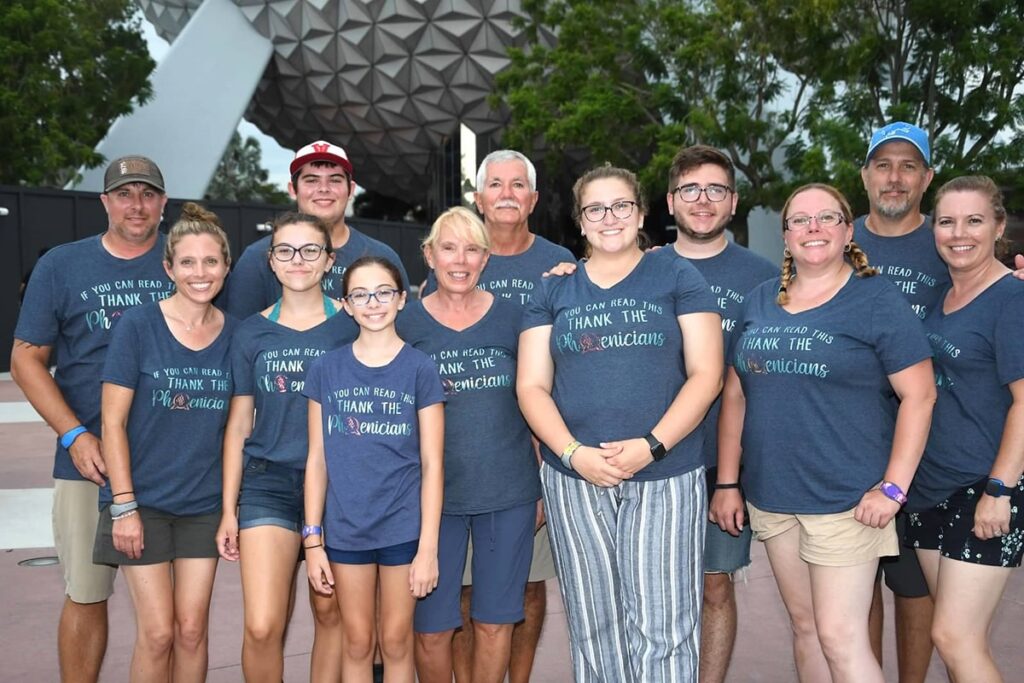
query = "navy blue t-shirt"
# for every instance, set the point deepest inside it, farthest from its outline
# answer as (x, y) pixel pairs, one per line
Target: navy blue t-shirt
(489, 462)
(979, 350)
(372, 444)
(252, 286)
(269, 362)
(731, 274)
(618, 355)
(75, 298)
(516, 277)
(819, 420)
(176, 422)
(908, 261)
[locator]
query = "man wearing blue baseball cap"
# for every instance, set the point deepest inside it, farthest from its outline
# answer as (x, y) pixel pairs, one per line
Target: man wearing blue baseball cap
(897, 237)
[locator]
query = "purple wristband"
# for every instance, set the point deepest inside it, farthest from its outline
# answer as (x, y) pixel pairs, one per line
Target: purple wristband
(893, 492)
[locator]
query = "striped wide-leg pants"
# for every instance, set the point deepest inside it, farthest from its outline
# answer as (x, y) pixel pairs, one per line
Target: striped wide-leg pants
(630, 568)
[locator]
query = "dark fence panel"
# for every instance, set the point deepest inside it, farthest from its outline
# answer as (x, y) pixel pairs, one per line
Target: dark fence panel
(34, 219)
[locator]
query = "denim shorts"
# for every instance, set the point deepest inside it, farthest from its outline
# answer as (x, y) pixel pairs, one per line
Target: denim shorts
(388, 556)
(723, 552)
(271, 494)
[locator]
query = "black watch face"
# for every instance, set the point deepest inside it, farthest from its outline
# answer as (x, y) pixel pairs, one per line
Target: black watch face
(993, 489)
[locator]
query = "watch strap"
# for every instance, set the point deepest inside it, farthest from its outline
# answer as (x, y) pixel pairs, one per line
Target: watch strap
(657, 448)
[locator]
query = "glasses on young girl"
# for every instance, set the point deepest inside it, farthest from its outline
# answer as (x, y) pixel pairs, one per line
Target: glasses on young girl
(361, 298)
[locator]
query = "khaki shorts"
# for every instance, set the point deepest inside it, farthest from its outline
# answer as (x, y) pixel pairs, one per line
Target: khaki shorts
(542, 566)
(75, 515)
(835, 540)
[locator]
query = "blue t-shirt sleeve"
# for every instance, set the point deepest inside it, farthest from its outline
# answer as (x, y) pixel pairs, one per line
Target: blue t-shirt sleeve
(241, 363)
(538, 311)
(428, 384)
(38, 322)
(311, 388)
(692, 293)
(123, 360)
(1009, 341)
(899, 337)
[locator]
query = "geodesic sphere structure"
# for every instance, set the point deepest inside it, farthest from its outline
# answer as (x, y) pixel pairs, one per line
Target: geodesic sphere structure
(388, 80)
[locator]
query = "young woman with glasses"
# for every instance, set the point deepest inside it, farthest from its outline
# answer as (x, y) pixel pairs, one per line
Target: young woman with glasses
(618, 363)
(819, 359)
(265, 448)
(374, 475)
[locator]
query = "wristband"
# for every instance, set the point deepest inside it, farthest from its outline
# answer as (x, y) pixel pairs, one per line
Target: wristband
(996, 488)
(118, 509)
(315, 545)
(69, 436)
(893, 492)
(308, 531)
(567, 453)
(123, 515)
(734, 485)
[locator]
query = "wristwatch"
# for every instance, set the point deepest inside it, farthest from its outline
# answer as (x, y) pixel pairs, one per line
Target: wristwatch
(997, 489)
(658, 451)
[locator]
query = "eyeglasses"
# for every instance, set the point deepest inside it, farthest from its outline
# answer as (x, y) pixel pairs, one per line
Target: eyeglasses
(691, 192)
(361, 298)
(825, 219)
(622, 210)
(286, 252)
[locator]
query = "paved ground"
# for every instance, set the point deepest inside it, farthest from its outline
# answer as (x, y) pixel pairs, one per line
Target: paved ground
(33, 595)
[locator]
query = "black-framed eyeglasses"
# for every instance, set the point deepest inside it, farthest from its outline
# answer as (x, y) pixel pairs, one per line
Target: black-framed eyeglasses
(825, 219)
(622, 210)
(361, 298)
(690, 192)
(286, 252)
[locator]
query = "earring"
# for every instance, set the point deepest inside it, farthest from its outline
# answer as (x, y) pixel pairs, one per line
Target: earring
(847, 248)
(786, 252)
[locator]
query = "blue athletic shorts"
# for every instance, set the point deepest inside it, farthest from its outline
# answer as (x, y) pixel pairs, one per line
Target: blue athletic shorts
(271, 494)
(388, 556)
(502, 551)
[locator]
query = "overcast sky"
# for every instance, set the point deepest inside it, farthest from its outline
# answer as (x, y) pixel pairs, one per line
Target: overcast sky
(275, 158)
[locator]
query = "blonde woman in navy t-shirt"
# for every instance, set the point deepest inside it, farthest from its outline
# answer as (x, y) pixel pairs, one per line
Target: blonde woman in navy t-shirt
(966, 500)
(166, 389)
(618, 363)
(818, 355)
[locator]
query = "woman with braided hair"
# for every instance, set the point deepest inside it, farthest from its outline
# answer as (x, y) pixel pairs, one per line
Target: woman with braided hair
(825, 467)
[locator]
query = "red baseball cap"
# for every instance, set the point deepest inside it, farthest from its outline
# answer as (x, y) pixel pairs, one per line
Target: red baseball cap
(321, 150)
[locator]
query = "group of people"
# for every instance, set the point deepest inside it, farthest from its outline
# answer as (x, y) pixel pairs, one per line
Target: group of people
(628, 422)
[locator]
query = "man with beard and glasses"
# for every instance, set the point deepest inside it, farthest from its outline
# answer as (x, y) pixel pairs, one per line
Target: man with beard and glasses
(702, 198)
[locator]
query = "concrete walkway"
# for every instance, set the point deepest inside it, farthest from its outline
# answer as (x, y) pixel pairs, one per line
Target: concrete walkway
(33, 595)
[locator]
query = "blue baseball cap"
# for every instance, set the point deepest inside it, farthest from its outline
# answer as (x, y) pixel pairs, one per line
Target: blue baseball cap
(901, 130)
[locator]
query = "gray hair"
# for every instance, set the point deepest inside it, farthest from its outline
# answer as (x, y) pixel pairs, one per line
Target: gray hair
(499, 155)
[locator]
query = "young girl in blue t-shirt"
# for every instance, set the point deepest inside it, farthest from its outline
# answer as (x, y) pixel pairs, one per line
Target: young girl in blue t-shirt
(374, 474)
(265, 448)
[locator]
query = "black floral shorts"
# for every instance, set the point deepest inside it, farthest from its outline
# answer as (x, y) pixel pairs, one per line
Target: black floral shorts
(947, 528)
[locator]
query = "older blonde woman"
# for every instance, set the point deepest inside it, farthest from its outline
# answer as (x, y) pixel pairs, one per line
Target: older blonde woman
(491, 483)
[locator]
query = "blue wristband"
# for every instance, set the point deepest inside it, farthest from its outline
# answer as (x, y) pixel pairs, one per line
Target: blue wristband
(70, 436)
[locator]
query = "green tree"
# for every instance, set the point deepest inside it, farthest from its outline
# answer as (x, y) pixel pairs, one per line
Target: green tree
(631, 82)
(954, 68)
(240, 175)
(790, 89)
(68, 69)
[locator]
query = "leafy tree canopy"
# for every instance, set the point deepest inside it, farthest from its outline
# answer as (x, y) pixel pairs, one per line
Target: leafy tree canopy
(240, 175)
(790, 89)
(68, 68)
